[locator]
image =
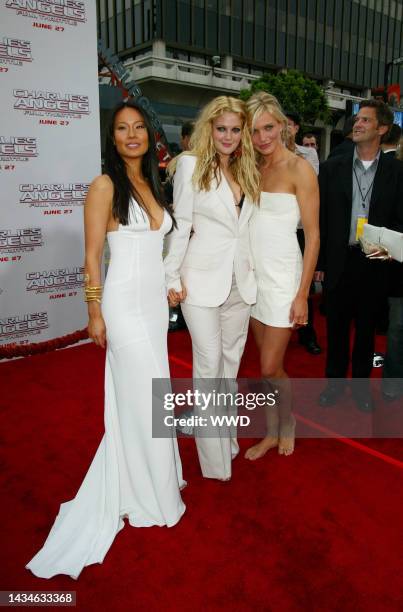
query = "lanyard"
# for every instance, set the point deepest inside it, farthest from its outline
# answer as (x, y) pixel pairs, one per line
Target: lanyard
(363, 198)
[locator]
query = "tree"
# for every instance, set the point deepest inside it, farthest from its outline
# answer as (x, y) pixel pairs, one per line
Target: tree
(295, 92)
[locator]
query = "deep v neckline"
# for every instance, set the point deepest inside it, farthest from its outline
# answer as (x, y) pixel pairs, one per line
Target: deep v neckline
(242, 197)
(146, 215)
(160, 225)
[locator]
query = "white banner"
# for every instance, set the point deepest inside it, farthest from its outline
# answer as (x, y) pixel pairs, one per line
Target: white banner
(49, 153)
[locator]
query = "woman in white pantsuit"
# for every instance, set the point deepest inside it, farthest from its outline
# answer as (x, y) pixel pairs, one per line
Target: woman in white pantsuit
(208, 263)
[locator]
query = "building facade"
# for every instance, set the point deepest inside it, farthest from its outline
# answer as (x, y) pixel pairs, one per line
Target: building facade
(184, 52)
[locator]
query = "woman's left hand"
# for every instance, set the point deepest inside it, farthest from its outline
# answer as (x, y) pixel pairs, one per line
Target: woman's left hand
(173, 299)
(299, 312)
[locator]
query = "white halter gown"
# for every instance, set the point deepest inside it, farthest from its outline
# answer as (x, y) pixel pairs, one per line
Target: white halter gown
(132, 475)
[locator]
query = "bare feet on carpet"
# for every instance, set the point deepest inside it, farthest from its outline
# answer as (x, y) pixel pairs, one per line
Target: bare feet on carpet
(285, 442)
(261, 448)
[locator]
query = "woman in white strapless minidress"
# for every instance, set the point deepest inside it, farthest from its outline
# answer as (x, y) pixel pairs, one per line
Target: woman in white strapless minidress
(289, 192)
(277, 257)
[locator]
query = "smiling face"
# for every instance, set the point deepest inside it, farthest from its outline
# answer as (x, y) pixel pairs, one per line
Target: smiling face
(267, 134)
(366, 127)
(130, 134)
(227, 131)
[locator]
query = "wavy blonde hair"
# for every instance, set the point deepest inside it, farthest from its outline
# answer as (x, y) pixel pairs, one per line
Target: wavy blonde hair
(243, 168)
(263, 102)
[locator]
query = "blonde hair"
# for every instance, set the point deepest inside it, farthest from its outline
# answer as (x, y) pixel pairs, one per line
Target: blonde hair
(242, 167)
(263, 102)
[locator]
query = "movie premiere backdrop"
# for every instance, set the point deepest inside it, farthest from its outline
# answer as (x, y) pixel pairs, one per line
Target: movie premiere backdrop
(49, 153)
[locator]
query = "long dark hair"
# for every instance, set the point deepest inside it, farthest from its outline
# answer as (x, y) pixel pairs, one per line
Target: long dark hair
(115, 168)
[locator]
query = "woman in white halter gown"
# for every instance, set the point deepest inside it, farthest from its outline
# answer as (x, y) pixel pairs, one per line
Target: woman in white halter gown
(132, 475)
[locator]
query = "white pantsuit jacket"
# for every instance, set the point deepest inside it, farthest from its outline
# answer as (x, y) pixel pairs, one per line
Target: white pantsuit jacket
(218, 246)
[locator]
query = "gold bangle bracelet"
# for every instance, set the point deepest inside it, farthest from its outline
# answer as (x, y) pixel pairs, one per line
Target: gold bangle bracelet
(93, 299)
(92, 290)
(93, 294)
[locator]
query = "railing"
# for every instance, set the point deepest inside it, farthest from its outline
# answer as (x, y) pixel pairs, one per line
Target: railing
(337, 99)
(152, 66)
(179, 70)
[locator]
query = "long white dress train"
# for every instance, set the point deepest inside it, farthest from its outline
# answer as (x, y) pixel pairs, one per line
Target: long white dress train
(132, 474)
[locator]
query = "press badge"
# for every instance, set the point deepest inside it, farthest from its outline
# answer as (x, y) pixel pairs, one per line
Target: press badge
(361, 221)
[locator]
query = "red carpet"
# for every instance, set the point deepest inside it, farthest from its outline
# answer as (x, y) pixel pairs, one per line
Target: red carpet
(318, 531)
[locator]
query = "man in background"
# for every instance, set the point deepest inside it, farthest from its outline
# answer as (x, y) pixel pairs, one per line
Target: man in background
(308, 153)
(176, 320)
(347, 145)
(392, 382)
(391, 141)
(361, 186)
(309, 140)
(186, 132)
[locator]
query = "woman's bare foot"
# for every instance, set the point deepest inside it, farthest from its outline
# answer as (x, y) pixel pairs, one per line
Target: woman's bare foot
(261, 448)
(286, 442)
(286, 446)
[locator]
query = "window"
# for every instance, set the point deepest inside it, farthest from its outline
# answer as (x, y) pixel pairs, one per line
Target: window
(212, 26)
(102, 10)
(184, 22)
(281, 48)
(198, 29)
(138, 25)
(128, 26)
(248, 39)
(170, 19)
(310, 56)
(120, 26)
(225, 34)
(147, 17)
(300, 63)
(236, 37)
(225, 7)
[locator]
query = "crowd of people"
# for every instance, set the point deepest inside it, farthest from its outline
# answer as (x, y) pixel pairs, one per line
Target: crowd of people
(245, 198)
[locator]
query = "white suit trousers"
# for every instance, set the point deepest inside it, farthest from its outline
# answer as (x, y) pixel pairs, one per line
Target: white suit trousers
(218, 341)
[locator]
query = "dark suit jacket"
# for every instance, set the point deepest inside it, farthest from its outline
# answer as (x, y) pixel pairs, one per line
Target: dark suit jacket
(395, 288)
(336, 192)
(342, 149)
